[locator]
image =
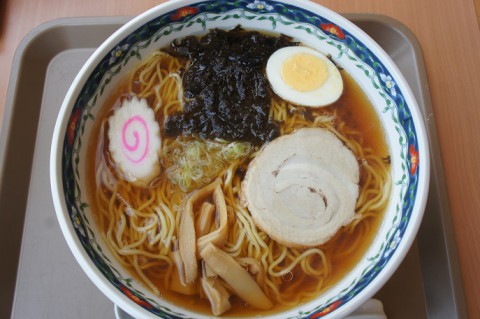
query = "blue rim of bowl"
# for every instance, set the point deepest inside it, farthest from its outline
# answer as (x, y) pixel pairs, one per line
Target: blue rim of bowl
(276, 13)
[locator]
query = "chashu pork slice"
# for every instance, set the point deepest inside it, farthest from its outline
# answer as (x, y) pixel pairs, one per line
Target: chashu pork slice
(302, 187)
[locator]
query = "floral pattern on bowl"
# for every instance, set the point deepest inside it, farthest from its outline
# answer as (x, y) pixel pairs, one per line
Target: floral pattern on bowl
(273, 16)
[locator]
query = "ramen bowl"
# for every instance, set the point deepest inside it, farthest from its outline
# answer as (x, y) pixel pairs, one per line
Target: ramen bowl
(306, 22)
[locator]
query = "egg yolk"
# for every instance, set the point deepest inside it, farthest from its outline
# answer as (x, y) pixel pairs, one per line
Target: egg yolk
(304, 72)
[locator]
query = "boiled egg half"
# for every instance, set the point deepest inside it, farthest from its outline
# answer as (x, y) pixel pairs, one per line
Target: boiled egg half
(304, 76)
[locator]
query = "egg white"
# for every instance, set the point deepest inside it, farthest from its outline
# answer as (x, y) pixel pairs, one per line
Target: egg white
(324, 95)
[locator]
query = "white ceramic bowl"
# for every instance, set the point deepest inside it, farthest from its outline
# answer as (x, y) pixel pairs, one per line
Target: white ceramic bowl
(307, 22)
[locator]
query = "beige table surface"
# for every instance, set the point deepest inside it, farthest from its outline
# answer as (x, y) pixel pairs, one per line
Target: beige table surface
(448, 32)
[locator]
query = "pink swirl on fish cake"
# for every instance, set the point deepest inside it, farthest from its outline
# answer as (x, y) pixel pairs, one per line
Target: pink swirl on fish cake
(132, 148)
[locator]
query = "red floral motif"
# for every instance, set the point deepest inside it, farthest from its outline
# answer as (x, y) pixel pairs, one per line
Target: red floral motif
(413, 159)
(333, 29)
(327, 310)
(72, 125)
(137, 300)
(183, 12)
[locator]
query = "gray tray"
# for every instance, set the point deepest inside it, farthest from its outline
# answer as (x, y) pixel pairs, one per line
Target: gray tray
(41, 278)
